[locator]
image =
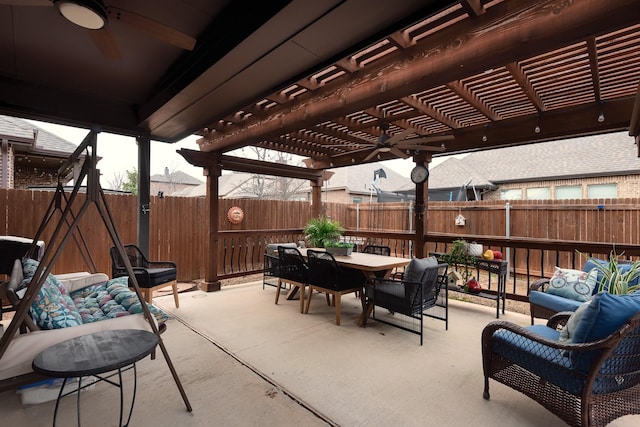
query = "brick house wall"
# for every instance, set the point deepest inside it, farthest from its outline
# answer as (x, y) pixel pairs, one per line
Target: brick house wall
(627, 186)
(10, 168)
(25, 177)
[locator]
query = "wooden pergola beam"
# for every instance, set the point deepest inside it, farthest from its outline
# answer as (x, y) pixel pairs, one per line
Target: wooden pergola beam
(488, 41)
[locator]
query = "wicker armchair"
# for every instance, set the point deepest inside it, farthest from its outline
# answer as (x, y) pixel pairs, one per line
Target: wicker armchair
(584, 384)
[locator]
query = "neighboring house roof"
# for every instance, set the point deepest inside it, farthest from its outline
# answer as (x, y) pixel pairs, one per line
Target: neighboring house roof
(229, 186)
(358, 178)
(32, 138)
(176, 177)
(599, 155)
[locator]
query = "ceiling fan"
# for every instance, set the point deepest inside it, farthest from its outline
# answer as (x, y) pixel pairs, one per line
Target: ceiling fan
(399, 144)
(95, 17)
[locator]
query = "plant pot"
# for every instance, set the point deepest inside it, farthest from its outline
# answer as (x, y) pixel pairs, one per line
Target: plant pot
(339, 251)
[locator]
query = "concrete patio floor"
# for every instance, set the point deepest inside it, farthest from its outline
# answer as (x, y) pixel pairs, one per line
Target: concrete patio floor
(244, 361)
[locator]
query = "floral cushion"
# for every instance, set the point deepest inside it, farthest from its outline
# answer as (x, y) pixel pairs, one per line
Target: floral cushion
(577, 285)
(110, 300)
(55, 308)
(52, 307)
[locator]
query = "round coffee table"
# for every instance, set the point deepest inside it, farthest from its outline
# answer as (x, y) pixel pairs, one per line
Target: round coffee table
(96, 354)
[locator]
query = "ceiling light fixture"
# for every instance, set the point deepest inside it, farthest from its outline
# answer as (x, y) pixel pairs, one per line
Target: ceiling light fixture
(537, 128)
(90, 14)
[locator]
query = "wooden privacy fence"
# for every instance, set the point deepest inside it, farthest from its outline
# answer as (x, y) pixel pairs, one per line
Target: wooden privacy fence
(178, 229)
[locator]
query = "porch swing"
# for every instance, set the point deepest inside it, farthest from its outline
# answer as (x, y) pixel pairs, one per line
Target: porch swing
(18, 350)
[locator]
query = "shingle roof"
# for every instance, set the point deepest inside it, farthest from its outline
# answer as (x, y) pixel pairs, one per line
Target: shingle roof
(176, 177)
(358, 178)
(12, 127)
(599, 155)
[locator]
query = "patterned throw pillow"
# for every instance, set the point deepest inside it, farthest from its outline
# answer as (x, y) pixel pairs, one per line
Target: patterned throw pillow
(109, 300)
(52, 307)
(577, 285)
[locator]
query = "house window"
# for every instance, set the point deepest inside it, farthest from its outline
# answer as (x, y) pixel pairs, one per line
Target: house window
(602, 191)
(513, 194)
(564, 192)
(356, 200)
(538, 193)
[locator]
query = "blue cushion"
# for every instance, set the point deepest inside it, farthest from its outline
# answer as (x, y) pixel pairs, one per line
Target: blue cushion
(553, 302)
(573, 284)
(604, 315)
(547, 362)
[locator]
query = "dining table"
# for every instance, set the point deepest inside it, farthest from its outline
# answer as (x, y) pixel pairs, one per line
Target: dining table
(369, 265)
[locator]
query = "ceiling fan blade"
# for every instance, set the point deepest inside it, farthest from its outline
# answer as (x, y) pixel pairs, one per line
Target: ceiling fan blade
(400, 136)
(399, 153)
(153, 28)
(371, 155)
(105, 43)
(350, 153)
(434, 148)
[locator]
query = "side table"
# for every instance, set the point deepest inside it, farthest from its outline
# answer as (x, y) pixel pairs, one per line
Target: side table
(96, 354)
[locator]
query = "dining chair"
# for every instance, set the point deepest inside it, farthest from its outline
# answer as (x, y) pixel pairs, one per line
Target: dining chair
(417, 292)
(293, 269)
(377, 250)
(151, 275)
(327, 276)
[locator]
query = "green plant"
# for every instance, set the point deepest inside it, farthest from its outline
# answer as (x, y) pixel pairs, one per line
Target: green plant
(319, 231)
(336, 244)
(616, 279)
(459, 258)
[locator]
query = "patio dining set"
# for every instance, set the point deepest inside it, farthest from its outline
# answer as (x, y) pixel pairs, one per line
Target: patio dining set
(372, 274)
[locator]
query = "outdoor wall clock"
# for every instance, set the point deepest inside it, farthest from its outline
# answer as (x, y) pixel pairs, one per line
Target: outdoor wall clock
(235, 215)
(419, 174)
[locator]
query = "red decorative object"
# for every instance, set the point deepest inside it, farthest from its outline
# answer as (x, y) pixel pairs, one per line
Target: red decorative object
(473, 286)
(235, 215)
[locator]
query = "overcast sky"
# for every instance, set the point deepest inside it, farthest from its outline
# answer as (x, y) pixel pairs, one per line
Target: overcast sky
(120, 153)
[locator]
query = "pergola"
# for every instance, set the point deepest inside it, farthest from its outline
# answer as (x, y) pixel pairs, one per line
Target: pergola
(317, 79)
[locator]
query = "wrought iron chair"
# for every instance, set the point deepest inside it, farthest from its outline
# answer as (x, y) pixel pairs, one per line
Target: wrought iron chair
(326, 276)
(413, 296)
(589, 380)
(377, 250)
(151, 275)
(293, 269)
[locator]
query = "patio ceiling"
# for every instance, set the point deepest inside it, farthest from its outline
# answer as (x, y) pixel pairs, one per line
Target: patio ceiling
(315, 78)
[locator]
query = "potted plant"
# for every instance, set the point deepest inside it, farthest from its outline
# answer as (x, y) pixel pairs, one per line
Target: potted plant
(338, 248)
(460, 259)
(616, 278)
(321, 230)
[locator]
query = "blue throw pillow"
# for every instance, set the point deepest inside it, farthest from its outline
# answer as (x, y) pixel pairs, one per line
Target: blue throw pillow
(604, 315)
(577, 285)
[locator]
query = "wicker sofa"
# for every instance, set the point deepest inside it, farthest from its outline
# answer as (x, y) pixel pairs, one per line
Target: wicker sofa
(586, 373)
(95, 304)
(544, 302)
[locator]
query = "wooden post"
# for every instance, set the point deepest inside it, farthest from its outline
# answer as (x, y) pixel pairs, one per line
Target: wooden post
(211, 282)
(420, 211)
(316, 198)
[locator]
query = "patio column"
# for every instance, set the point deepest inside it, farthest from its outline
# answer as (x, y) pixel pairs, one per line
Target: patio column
(144, 173)
(316, 197)
(420, 211)
(211, 282)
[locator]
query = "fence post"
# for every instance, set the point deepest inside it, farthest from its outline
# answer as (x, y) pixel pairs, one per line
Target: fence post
(507, 233)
